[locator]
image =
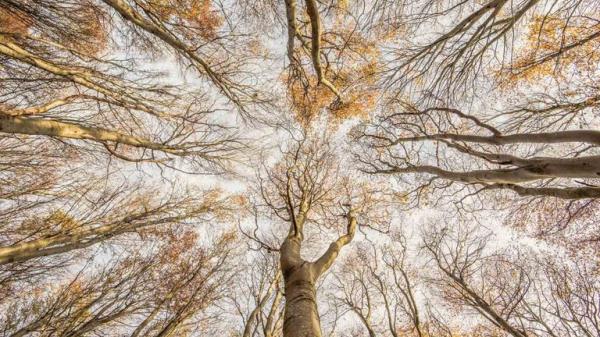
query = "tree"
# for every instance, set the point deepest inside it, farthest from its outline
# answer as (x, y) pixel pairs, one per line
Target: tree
(521, 293)
(383, 295)
(470, 41)
(77, 98)
(158, 292)
(463, 276)
(478, 112)
(331, 56)
(61, 82)
(258, 298)
(49, 222)
(308, 188)
(462, 138)
(301, 183)
(534, 143)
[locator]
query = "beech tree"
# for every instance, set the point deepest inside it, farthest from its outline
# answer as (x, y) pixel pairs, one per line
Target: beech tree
(469, 41)
(500, 98)
(258, 299)
(514, 293)
(159, 294)
(493, 167)
(535, 143)
(381, 291)
(61, 81)
(77, 98)
(521, 294)
(568, 223)
(77, 91)
(53, 215)
(309, 188)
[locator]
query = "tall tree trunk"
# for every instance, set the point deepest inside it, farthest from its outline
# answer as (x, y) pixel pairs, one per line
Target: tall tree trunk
(301, 317)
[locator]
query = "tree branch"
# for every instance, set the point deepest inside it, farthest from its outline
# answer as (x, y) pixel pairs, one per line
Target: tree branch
(327, 259)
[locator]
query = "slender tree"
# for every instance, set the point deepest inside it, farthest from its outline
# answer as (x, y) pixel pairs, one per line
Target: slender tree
(154, 294)
(520, 293)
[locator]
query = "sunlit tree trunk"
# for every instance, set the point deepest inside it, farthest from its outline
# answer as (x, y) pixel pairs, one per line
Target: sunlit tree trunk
(301, 317)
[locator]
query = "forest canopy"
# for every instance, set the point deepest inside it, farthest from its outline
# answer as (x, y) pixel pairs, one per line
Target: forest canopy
(300, 168)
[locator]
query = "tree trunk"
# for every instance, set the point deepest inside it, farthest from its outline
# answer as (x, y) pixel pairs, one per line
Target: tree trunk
(301, 317)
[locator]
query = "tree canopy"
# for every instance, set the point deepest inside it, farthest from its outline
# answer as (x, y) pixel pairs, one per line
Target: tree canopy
(300, 168)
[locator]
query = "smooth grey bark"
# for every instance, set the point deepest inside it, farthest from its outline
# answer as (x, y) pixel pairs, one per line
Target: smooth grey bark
(60, 129)
(301, 316)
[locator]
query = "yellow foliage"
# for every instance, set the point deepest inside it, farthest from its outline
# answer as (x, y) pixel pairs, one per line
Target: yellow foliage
(197, 14)
(401, 198)
(62, 220)
(11, 23)
(94, 31)
(355, 62)
(92, 35)
(257, 48)
(218, 205)
(343, 4)
(358, 97)
(548, 36)
(239, 200)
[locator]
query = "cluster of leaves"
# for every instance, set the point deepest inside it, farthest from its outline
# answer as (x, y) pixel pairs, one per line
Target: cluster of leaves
(198, 14)
(548, 36)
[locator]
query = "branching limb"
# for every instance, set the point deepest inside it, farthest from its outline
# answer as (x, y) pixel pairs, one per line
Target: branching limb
(315, 24)
(327, 259)
(54, 128)
(563, 193)
(131, 15)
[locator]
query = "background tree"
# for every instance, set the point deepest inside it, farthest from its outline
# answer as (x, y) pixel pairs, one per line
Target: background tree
(258, 299)
(64, 78)
(515, 292)
(80, 97)
(466, 150)
(158, 294)
(501, 97)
